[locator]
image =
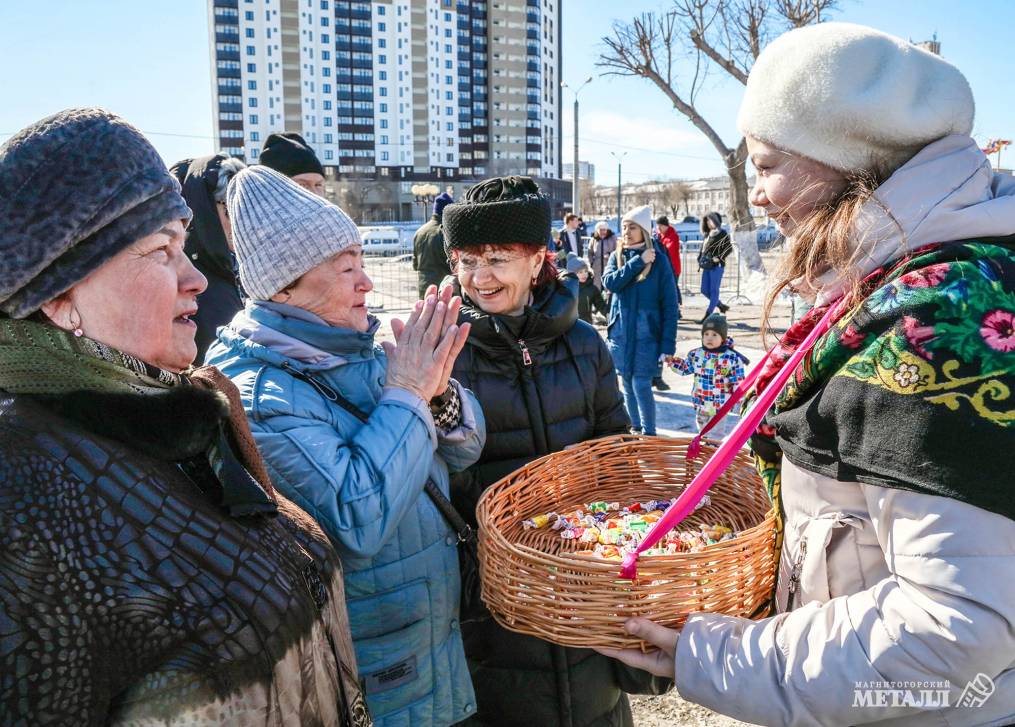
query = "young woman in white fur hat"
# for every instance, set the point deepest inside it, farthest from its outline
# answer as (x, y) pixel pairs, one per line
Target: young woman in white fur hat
(888, 452)
(642, 326)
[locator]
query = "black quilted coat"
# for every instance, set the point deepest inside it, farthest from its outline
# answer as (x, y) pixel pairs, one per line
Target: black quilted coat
(545, 380)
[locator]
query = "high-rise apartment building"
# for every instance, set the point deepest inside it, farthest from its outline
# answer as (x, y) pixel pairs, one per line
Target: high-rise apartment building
(393, 92)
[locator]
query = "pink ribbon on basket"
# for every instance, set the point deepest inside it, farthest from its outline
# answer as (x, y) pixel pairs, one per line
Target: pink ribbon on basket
(723, 456)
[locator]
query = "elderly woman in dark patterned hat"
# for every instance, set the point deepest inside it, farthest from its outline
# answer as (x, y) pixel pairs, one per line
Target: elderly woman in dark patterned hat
(545, 381)
(150, 573)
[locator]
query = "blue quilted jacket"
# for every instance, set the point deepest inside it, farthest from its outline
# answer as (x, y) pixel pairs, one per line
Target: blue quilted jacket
(363, 482)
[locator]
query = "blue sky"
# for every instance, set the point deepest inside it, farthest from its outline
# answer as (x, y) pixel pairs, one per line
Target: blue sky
(149, 61)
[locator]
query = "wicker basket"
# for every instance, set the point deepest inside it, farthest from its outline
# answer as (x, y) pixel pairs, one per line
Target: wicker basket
(534, 582)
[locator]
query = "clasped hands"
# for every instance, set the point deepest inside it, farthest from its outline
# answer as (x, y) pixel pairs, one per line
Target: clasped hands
(426, 345)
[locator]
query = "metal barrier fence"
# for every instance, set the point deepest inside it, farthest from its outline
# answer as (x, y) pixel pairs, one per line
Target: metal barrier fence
(395, 282)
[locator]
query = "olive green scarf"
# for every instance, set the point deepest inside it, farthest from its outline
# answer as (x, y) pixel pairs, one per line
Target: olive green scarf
(36, 358)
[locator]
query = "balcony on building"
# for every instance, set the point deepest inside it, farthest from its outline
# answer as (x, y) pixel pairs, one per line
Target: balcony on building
(532, 82)
(227, 55)
(226, 3)
(532, 115)
(533, 100)
(359, 14)
(229, 90)
(229, 125)
(231, 107)
(463, 24)
(532, 50)
(342, 42)
(532, 34)
(363, 97)
(361, 30)
(227, 72)
(463, 55)
(532, 67)
(362, 64)
(359, 46)
(344, 95)
(227, 37)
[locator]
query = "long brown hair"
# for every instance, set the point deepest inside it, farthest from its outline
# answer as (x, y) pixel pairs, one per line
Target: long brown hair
(825, 241)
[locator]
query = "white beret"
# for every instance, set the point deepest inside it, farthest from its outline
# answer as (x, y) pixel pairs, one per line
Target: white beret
(853, 97)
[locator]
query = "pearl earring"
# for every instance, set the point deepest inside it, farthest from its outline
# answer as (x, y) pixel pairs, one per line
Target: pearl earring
(76, 326)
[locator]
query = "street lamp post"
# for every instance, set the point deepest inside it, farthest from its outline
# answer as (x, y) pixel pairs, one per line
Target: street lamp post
(619, 158)
(574, 175)
(424, 194)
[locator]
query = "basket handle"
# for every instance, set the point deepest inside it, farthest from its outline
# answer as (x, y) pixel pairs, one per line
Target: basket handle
(723, 456)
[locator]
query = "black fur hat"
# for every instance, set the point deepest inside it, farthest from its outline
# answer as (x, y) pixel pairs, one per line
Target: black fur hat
(498, 211)
(75, 189)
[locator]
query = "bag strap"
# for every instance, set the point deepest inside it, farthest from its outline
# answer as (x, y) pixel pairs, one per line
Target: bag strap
(462, 529)
(723, 456)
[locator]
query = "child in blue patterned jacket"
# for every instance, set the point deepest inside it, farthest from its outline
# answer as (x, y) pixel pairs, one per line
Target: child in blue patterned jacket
(717, 369)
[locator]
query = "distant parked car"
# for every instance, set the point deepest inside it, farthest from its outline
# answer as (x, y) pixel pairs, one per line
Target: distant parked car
(386, 240)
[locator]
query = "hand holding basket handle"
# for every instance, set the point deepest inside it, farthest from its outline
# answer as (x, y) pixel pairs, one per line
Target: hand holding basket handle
(708, 474)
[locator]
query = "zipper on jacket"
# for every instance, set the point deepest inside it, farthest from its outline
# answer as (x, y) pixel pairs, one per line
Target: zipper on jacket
(526, 356)
(794, 574)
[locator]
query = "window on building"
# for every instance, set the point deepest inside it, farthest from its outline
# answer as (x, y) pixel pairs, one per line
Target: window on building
(326, 88)
(326, 105)
(324, 21)
(251, 85)
(384, 108)
(383, 75)
(324, 4)
(253, 119)
(449, 96)
(326, 71)
(384, 156)
(382, 43)
(255, 136)
(253, 152)
(380, 27)
(382, 59)
(252, 102)
(327, 121)
(251, 68)
(384, 90)
(384, 123)
(449, 156)
(328, 155)
(249, 15)
(384, 139)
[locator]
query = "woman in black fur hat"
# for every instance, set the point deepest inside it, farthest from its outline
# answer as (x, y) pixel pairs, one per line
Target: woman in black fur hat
(545, 381)
(149, 571)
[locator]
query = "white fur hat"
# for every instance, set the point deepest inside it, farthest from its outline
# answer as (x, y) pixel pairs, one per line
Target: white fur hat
(853, 97)
(641, 216)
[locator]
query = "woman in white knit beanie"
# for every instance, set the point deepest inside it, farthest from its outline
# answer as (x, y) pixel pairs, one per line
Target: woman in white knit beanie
(882, 454)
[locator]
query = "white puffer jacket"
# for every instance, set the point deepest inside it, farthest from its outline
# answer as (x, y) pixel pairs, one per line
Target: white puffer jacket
(880, 585)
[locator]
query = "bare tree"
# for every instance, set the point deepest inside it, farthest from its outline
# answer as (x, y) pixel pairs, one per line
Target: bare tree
(673, 195)
(676, 49)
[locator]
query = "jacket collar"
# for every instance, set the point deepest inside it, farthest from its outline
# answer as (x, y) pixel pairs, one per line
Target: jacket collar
(277, 332)
(553, 312)
(947, 192)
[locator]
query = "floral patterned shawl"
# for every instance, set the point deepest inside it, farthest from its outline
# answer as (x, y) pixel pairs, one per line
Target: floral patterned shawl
(913, 387)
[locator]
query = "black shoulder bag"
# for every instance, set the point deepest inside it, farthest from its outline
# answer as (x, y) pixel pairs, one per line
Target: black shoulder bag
(471, 605)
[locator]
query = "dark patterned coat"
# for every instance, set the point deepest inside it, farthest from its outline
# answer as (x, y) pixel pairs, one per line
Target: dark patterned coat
(566, 394)
(128, 596)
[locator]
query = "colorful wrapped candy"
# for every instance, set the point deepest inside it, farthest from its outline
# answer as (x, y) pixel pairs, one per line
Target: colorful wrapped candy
(610, 531)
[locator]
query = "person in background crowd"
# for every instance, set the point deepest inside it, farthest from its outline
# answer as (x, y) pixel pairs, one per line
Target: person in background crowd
(642, 328)
(545, 381)
(570, 239)
(429, 259)
(354, 433)
(601, 245)
(289, 154)
(715, 248)
(210, 241)
(583, 231)
(882, 452)
(717, 370)
(669, 240)
(589, 297)
(150, 572)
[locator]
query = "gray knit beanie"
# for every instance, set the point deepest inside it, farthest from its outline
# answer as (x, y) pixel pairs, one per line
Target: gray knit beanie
(281, 230)
(76, 188)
